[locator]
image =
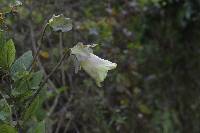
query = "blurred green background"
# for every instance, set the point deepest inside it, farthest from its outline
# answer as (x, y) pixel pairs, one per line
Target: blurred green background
(156, 44)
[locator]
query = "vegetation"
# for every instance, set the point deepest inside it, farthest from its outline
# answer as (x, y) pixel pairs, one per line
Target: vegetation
(52, 81)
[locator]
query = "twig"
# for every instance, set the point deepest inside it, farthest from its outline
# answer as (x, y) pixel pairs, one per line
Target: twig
(67, 126)
(53, 106)
(39, 46)
(38, 60)
(63, 111)
(46, 79)
(60, 122)
(62, 64)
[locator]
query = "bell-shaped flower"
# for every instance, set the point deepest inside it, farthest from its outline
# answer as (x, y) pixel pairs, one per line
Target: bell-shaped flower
(96, 67)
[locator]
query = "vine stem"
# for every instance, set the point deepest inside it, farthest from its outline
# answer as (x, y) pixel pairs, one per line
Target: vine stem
(61, 54)
(39, 46)
(48, 76)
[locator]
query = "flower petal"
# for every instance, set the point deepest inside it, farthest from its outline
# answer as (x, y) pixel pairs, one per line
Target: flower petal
(96, 67)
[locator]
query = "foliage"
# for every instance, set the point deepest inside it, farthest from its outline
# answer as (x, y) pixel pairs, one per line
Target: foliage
(154, 88)
(60, 23)
(21, 96)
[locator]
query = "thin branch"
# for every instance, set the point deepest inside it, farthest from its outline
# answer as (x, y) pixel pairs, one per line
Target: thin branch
(62, 64)
(60, 122)
(53, 106)
(68, 125)
(39, 46)
(35, 51)
(48, 76)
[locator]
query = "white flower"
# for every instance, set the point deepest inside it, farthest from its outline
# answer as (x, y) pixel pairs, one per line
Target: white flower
(96, 67)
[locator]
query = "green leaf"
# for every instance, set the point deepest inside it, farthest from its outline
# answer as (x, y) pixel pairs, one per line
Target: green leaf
(7, 129)
(22, 85)
(2, 43)
(7, 54)
(25, 83)
(38, 128)
(5, 111)
(60, 23)
(36, 79)
(32, 108)
(144, 108)
(23, 63)
(2, 38)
